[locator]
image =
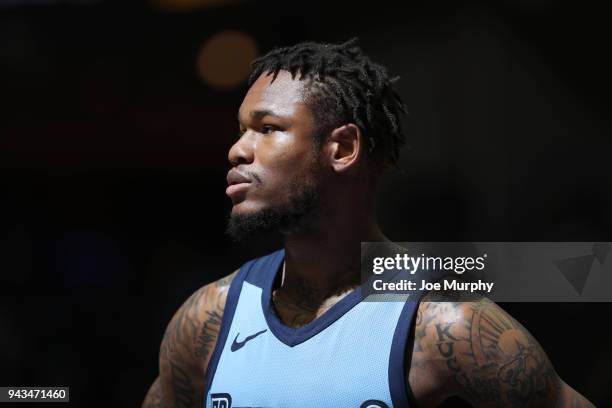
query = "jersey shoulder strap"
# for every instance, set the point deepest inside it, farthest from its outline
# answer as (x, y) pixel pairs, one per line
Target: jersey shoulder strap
(252, 272)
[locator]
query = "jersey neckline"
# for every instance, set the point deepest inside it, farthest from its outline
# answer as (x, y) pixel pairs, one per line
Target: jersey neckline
(293, 336)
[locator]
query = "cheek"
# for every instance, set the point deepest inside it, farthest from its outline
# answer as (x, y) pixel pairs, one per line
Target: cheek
(282, 157)
(282, 181)
(280, 146)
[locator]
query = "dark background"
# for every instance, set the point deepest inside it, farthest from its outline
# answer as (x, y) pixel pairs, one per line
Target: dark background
(113, 160)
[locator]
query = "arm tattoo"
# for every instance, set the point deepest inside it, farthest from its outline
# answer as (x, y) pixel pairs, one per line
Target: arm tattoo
(186, 348)
(508, 366)
(487, 356)
(176, 351)
(208, 333)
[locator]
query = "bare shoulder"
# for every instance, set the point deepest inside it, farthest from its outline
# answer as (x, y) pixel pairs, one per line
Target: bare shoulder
(473, 349)
(187, 347)
(196, 324)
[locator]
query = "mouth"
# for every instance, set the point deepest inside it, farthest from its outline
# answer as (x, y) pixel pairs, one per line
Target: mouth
(233, 190)
(237, 183)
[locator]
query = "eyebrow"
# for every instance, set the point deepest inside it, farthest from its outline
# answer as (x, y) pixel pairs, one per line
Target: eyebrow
(260, 113)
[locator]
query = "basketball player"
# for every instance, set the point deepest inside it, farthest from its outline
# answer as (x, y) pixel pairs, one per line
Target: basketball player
(318, 126)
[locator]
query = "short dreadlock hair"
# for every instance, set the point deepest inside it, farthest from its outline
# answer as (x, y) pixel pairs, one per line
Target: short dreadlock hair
(343, 86)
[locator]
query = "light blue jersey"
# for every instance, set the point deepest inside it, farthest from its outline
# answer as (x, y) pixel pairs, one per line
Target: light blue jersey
(351, 356)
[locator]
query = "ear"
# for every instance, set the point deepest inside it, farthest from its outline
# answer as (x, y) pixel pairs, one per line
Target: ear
(344, 145)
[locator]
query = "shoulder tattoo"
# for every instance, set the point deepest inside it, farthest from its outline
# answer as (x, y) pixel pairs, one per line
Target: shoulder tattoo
(485, 355)
(189, 340)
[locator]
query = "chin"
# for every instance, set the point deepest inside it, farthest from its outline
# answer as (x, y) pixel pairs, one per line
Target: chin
(246, 208)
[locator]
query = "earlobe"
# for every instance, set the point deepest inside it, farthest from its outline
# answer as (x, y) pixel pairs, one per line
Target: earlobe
(345, 143)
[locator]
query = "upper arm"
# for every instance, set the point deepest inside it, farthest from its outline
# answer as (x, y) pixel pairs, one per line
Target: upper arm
(187, 347)
(570, 398)
(477, 351)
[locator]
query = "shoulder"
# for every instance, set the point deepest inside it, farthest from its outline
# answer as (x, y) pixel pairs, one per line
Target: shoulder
(196, 322)
(187, 346)
(189, 341)
(477, 351)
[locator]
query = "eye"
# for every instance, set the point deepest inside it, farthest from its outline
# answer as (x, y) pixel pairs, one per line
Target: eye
(267, 129)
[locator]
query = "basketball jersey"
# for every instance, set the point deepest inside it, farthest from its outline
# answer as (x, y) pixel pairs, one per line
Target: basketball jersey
(351, 356)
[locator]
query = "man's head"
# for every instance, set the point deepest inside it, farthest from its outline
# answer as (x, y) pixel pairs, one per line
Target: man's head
(318, 119)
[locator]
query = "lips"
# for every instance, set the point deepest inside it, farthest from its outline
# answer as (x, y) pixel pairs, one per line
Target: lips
(237, 183)
(234, 177)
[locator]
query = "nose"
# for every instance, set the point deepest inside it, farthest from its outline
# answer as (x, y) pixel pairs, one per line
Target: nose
(242, 151)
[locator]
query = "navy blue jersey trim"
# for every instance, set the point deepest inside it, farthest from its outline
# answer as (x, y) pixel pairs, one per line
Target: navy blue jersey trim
(226, 322)
(265, 269)
(401, 394)
(263, 274)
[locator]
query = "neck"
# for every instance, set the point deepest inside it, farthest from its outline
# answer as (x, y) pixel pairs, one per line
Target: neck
(324, 260)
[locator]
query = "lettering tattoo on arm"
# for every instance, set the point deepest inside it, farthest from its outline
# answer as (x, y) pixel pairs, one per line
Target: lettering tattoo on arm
(186, 349)
(208, 333)
(481, 354)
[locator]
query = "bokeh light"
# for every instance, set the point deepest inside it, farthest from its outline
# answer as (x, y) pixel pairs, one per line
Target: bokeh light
(225, 58)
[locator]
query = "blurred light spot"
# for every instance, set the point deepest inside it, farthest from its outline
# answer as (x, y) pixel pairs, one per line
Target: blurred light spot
(225, 59)
(179, 6)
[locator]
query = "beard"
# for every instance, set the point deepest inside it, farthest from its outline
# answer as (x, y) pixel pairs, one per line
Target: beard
(296, 212)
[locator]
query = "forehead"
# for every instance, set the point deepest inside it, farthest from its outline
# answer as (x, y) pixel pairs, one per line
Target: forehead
(285, 96)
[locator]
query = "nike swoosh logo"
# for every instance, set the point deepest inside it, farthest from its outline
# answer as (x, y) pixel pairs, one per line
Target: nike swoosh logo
(237, 345)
